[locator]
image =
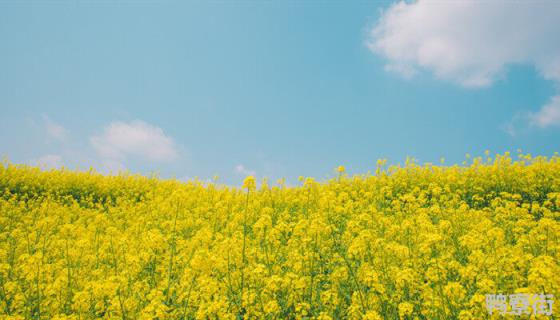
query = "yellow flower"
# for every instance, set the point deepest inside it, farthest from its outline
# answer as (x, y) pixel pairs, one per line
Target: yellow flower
(249, 183)
(431, 241)
(405, 309)
(372, 315)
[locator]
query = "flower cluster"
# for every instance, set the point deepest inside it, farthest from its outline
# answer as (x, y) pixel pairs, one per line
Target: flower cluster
(408, 242)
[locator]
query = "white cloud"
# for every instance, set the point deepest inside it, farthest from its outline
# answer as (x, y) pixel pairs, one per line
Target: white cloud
(549, 115)
(241, 170)
(54, 130)
(518, 125)
(121, 140)
(471, 43)
(48, 161)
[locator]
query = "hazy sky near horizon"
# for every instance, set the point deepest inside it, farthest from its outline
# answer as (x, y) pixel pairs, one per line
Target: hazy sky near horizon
(277, 89)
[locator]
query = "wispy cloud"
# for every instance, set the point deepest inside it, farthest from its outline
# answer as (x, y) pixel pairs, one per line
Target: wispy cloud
(549, 115)
(242, 170)
(518, 125)
(48, 161)
(54, 130)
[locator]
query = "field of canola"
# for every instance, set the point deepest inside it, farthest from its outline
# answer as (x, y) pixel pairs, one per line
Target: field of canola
(410, 242)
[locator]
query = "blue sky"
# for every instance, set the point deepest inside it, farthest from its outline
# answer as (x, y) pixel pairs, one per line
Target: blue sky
(231, 88)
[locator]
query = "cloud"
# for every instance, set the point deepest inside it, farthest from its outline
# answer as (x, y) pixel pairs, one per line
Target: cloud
(120, 141)
(54, 130)
(48, 161)
(549, 115)
(471, 43)
(522, 122)
(241, 170)
(518, 125)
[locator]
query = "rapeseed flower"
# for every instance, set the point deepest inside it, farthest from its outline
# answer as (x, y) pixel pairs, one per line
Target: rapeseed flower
(409, 242)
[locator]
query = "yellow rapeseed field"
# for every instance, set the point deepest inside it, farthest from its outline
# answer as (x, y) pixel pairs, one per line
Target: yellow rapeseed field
(408, 242)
